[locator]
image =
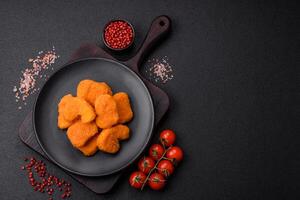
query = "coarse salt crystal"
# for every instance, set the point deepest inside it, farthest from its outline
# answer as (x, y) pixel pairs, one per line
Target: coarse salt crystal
(30, 75)
(160, 70)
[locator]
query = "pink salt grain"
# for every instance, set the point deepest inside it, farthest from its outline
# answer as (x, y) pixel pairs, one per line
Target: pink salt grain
(30, 76)
(160, 70)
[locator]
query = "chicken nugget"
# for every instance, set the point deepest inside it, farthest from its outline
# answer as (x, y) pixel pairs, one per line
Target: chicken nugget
(72, 108)
(62, 123)
(121, 131)
(79, 133)
(83, 88)
(124, 108)
(108, 142)
(90, 148)
(63, 102)
(106, 109)
(90, 90)
(66, 107)
(86, 111)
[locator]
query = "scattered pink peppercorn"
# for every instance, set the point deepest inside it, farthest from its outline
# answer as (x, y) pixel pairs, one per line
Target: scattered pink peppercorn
(41, 181)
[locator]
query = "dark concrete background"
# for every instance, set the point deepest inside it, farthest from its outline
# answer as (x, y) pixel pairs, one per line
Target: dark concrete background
(232, 98)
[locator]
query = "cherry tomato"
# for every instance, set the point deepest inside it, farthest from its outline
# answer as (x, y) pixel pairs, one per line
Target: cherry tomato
(156, 151)
(137, 179)
(156, 181)
(175, 153)
(167, 137)
(165, 167)
(146, 164)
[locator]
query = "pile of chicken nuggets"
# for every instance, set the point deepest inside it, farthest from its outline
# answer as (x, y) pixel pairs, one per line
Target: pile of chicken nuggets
(95, 118)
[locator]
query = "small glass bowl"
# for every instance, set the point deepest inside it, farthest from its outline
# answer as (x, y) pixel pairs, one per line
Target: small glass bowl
(118, 49)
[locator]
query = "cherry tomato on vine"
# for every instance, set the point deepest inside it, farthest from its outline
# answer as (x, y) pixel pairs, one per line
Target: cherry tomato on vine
(165, 167)
(146, 164)
(156, 181)
(175, 153)
(137, 179)
(156, 151)
(167, 137)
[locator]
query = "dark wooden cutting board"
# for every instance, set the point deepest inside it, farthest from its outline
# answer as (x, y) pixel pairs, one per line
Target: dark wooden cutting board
(159, 28)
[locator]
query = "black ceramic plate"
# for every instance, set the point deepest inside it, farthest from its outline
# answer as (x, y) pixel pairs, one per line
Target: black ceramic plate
(54, 141)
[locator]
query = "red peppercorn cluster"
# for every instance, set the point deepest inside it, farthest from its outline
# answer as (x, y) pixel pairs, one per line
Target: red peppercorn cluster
(45, 182)
(118, 34)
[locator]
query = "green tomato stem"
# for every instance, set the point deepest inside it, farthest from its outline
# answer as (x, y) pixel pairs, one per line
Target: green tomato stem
(155, 166)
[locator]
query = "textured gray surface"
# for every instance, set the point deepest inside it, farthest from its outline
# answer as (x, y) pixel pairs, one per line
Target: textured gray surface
(231, 98)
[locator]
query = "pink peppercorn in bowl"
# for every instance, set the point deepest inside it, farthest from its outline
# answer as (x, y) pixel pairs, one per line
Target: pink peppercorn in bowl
(118, 35)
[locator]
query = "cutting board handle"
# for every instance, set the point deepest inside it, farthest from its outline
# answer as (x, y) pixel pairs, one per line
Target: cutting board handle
(160, 26)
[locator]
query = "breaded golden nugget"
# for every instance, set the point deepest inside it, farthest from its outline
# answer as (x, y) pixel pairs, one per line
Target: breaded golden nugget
(72, 108)
(83, 88)
(106, 109)
(65, 104)
(124, 108)
(96, 89)
(108, 142)
(90, 148)
(86, 111)
(90, 90)
(62, 123)
(121, 131)
(79, 133)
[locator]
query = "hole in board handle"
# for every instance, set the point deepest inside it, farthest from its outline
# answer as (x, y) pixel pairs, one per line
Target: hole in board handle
(162, 23)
